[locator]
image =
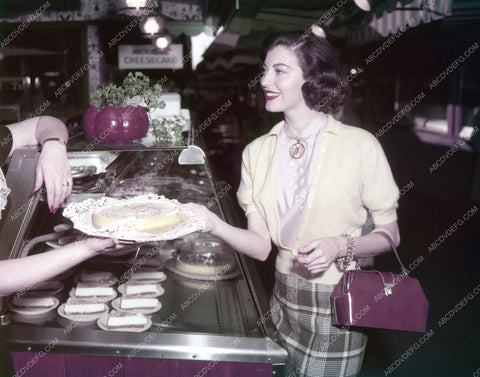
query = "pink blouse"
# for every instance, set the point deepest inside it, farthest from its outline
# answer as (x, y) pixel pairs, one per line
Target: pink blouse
(293, 177)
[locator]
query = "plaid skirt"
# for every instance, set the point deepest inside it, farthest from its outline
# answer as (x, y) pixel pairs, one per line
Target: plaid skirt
(302, 313)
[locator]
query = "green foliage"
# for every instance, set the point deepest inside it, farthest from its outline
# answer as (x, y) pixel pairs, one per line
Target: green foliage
(109, 94)
(135, 84)
(167, 130)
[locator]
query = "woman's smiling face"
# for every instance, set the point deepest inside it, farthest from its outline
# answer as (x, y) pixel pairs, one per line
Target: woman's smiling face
(282, 81)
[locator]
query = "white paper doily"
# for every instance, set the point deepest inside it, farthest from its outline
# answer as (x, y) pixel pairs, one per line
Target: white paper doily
(81, 215)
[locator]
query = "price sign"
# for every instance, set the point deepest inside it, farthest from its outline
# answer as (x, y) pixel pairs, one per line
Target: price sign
(150, 57)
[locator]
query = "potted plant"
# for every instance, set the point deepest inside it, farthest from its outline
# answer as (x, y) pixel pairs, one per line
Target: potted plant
(123, 113)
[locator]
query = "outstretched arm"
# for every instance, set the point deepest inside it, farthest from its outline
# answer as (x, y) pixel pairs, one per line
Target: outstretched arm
(20, 274)
(253, 241)
(52, 166)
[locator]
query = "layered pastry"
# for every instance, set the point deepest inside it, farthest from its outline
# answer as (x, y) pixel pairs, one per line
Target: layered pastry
(89, 291)
(141, 289)
(96, 277)
(145, 276)
(127, 303)
(121, 320)
(25, 302)
(75, 306)
(205, 264)
(151, 216)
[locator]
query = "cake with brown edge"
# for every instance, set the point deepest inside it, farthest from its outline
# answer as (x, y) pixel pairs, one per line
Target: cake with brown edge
(93, 291)
(75, 306)
(133, 288)
(127, 303)
(33, 303)
(96, 277)
(123, 320)
(154, 216)
(205, 264)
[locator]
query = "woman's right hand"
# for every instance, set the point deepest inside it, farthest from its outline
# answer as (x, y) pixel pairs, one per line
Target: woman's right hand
(96, 245)
(208, 217)
(254, 241)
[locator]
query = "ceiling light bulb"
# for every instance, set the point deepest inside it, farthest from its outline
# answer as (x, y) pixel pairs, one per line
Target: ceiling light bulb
(318, 31)
(152, 25)
(363, 5)
(163, 42)
(136, 3)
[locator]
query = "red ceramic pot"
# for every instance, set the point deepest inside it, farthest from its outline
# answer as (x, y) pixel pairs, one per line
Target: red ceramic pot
(112, 125)
(89, 122)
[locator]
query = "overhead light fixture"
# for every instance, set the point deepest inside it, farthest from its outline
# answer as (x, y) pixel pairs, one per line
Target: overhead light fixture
(135, 7)
(163, 42)
(363, 5)
(136, 3)
(318, 31)
(151, 27)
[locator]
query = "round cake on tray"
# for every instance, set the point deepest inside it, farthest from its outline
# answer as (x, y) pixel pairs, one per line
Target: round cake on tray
(154, 216)
(205, 264)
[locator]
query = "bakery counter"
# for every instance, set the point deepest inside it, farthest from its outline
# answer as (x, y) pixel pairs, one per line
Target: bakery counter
(211, 315)
(198, 320)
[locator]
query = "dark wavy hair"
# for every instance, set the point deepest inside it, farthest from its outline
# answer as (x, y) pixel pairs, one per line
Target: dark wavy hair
(325, 88)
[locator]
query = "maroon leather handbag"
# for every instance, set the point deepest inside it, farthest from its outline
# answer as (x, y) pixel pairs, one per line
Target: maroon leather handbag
(370, 298)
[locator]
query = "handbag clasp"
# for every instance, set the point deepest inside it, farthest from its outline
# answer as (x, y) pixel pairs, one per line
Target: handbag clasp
(388, 289)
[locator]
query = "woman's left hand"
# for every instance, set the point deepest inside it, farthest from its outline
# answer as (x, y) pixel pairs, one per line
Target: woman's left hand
(319, 254)
(53, 169)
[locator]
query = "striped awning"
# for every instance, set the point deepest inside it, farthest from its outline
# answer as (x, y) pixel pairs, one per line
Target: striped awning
(398, 16)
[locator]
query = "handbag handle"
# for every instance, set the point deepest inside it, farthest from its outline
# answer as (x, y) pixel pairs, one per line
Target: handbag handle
(390, 241)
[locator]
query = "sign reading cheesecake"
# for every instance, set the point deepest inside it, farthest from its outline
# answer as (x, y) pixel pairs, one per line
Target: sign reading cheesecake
(150, 57)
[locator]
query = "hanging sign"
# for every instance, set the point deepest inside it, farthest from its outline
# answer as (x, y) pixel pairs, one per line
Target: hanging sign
(150, 57)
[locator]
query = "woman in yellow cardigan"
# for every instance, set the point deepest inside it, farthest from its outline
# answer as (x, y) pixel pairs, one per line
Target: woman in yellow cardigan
(306, 186)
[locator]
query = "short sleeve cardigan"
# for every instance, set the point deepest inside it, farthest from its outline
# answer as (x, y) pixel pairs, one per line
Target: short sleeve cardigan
(352, 176)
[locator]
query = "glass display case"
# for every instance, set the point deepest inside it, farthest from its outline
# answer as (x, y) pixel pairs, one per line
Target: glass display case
(219, 318)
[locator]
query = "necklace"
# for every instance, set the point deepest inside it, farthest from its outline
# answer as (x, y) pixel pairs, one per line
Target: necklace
(297, 150)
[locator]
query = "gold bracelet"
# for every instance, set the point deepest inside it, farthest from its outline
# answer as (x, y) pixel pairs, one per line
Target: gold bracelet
(57, 139)
(344, 262)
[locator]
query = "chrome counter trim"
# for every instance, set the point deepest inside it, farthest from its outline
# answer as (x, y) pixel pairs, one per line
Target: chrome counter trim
(184, 346)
